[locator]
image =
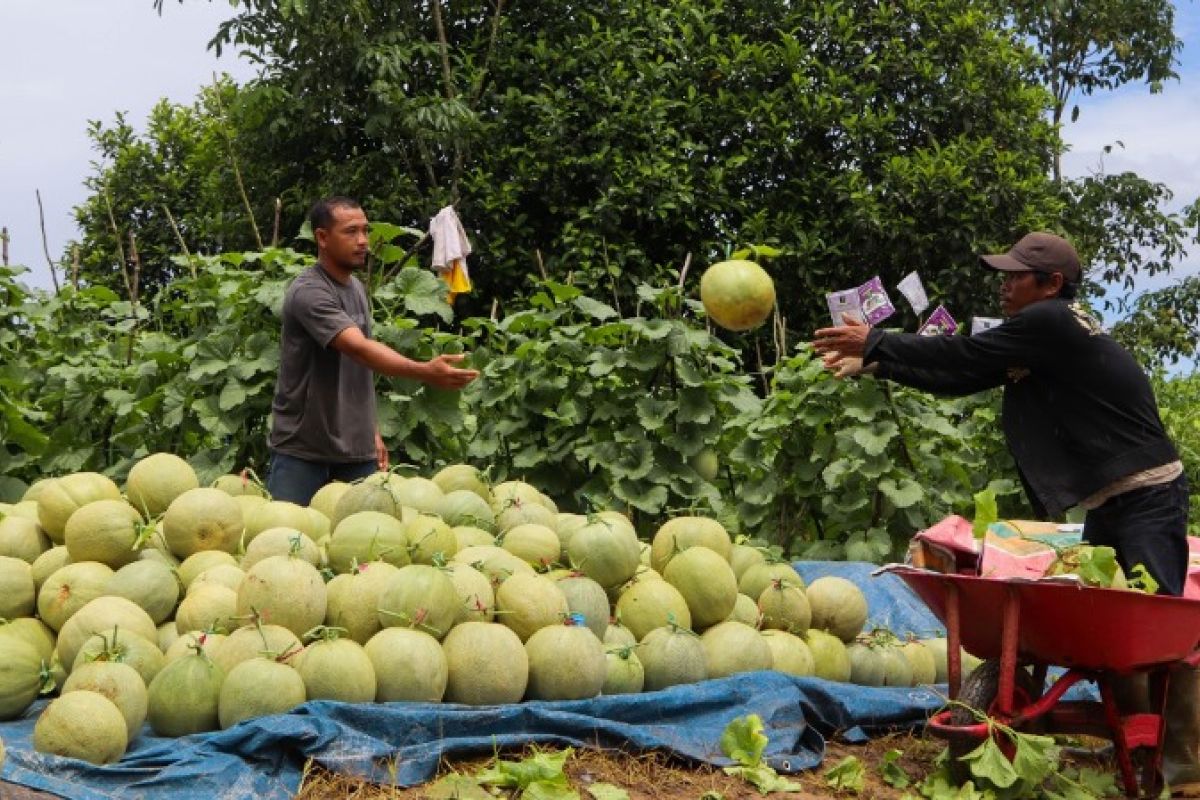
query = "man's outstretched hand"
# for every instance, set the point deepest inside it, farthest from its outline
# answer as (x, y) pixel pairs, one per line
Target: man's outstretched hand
(442, 373)
(845, 341)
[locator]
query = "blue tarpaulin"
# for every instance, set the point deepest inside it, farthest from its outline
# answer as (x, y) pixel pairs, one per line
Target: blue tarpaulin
(403, 742)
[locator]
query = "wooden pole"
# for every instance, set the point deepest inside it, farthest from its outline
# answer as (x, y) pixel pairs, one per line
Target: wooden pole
(45, 244)
(4, 246)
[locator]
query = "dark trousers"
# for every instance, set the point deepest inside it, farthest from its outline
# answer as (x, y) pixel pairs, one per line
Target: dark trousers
(1149, 527)
(297, 480)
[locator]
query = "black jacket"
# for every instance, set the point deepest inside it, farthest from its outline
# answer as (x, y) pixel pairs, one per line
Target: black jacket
(1079, 412)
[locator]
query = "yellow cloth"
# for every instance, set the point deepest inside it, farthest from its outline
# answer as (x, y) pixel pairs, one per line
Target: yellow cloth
(456, 278)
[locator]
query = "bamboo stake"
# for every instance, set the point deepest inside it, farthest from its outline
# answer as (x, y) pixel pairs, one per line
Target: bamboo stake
(237, 172)
(275, 230)
(45, 244)
(4, 246)
(687, 263)
(540, 264)
(182, 244)
(112, 221)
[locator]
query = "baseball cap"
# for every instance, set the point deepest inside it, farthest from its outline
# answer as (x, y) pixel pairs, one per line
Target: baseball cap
(1038, 252)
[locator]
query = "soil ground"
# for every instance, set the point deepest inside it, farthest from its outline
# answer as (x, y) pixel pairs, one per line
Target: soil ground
(645, 776)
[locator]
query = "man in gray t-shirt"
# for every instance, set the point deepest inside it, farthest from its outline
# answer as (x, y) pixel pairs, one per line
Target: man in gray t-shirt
(323, 415)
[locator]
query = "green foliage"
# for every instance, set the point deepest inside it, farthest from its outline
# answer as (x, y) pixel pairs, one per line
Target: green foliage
(743, 742)
(847, 775)
(892, 773)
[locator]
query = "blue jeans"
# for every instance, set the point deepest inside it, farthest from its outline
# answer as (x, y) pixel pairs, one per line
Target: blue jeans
(297, 480)
(1149, 527)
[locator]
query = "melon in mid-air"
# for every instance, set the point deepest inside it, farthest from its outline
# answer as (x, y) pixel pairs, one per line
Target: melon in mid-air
(738, 295)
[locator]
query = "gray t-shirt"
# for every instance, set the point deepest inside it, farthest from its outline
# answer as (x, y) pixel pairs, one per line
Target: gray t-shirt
(324, 407)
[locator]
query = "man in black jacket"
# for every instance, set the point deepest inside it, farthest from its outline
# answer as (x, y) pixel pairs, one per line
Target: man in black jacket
(1079, 417)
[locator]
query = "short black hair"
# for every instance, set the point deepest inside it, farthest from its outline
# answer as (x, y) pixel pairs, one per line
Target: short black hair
(321, 214)
(1068, 291)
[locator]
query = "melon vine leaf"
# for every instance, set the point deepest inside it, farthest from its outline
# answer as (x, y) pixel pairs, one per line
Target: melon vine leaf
(847, 775)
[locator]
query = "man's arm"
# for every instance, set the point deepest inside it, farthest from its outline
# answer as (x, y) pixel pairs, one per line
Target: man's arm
(941, 382)
(439, 372)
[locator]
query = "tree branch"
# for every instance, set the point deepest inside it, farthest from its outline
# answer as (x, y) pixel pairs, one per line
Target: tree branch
(45, 245)
(237, 172)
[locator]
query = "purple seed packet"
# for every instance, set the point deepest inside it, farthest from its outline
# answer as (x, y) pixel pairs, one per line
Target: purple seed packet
(876, 306)
(844, 304)
(940, 323)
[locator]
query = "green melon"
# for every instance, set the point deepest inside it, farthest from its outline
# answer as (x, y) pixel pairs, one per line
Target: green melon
(897, 669)
(617, 635)
(421, 495)
(62, 497)
(565, 526)
(354, 599)
(366, 536)
(337, 669)
(23, 538)
(486, 664)
(120, 683)
(527, 603)
(607, 552)
(20, 676)
(746, 612)
(84, 725)
(520, 512)
(419, 596)
(789, 654)
(838, 606)
(374, 493)
(409, 664)
(327, 497)
(495, 562)
(33, 632)
(737, 294)
(286, 591)
(651, 604)
(566, 662)
(197, 563)
(731, 648)
(707, 584)
(18, 593)
(48, 563)
(758, 577)
(475, 593)
(430, 541)
(240, 485)
(742, 557)
(678, 534)
(168, 634)
(122, 647)
(188, 643)
(256, 641)
(69, 589)
(867, 666)
(462, 477)
(830, 660)
(784, 607)
(227, 576)
(150, 584)
(258, 687)
(463, 507)
(281, 542)
(156, 480)
(203, 519)
(536, 545)
(278, 514)
(101, 616)
(211, 607)
(623, 672)
(468, 536)
(671, 656)
(108, 531)
(586, 598)
(184, 697)
(920, 659)
(513, 492)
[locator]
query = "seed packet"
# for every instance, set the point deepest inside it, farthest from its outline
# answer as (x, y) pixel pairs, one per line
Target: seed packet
(868, 303)
(981, 324)
(876, 305)
(914, 291)
(844, 304)
(940, 323)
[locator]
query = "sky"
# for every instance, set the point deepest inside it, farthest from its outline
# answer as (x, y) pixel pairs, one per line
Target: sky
(70, 61)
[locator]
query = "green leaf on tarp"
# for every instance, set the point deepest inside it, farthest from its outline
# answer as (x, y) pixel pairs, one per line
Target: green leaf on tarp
(743, 740)
(846, 776)
(986, 512)
(541, 767)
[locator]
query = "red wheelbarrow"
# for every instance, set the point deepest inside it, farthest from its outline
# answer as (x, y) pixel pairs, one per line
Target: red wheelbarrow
(1096, 634)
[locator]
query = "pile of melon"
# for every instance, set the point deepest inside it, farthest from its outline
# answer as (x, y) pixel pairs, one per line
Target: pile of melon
(193, 608)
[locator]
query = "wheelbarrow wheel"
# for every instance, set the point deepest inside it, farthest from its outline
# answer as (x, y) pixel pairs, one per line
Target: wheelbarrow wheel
(979, 692)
